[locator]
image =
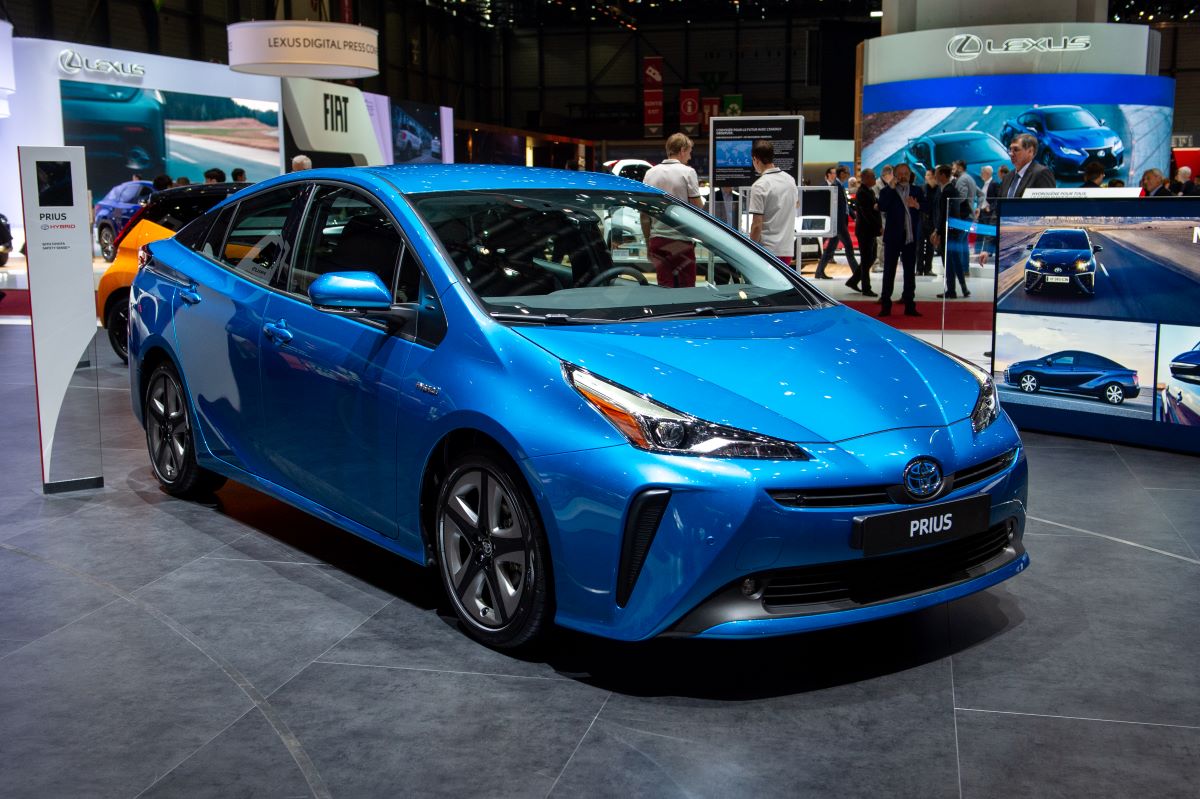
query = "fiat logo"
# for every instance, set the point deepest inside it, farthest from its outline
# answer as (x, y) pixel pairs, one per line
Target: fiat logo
(922, 478)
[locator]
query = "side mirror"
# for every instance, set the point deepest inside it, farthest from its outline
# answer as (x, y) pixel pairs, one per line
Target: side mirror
(1187, 372)
(349, 291)
(1097, 248)
(1029, 246)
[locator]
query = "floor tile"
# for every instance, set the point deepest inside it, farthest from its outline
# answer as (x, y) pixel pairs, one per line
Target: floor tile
(859, 739)
(1033, 440)
(1031, 757)
(267, 619)
(37, 598)
(1093, 628)
(379, 732)
(1103, 497)
(246, 761)
(1155, 469)
(1182, 507)
(102, 707)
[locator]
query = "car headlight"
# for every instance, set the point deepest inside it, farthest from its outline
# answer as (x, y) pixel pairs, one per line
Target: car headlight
(1119, 147)
(657, 428)
(1070, 150)
(1083, 264)
(1036, 263)
(987, 405)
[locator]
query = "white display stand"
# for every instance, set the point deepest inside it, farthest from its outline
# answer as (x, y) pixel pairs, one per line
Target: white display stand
(63, 312)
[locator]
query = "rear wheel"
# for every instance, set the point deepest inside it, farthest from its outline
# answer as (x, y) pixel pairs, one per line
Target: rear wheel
(116, 322)
(170, 440)
(1028, 383)
(492, 553)
(1114, 394)
(107, 239)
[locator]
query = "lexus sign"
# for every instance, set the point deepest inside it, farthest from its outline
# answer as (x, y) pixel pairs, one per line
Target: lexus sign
(968, 46)
(72, 62)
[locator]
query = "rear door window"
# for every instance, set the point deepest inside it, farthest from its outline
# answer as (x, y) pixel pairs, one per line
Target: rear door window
(257, 245)
(173, 212)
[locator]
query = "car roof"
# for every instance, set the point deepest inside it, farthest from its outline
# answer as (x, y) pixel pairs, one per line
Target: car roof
(1064, 230)
(197, 189)
(428, 178)
(1045, 108)
(958, 135)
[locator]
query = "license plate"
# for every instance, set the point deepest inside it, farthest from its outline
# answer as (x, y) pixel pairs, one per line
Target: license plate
(1057, 279)
(928, 524)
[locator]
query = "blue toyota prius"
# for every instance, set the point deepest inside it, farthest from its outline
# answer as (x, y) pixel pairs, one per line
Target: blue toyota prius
(508, 374)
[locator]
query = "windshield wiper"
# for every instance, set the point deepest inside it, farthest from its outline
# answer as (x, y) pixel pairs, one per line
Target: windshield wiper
(547, 319)
(709, 310)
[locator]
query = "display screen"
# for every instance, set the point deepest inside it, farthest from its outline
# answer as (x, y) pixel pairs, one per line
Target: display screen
(816, 201)
(1122, 122)
(55, 189)
(732, 140)
(1096, 328)
(133, 133)
(416, 133)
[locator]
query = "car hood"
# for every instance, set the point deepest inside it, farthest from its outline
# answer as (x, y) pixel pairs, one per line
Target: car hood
(1086, 137)
(1060, 257)
(821, 375)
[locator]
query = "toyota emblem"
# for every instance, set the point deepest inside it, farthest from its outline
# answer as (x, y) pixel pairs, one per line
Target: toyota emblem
(923, 478)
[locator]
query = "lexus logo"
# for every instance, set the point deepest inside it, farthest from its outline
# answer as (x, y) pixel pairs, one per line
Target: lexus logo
(923, 478)
(968, 46)
(72, 63)
(964, 47)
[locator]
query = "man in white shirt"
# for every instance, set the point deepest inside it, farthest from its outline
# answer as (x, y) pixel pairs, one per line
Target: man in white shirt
(772, 204)
(671, 251)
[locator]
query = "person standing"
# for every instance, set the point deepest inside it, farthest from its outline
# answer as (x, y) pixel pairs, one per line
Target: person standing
(301, 162)
(1026, 173)
(772, 204)
(901, 205)
(238, 175)
(990, 190)
(672, 252)
(968, 189)
(1183, 185)
(868, 228)
(926, 249)
(951, 205)
(1093, 175)
(843, 230)
(214, 175)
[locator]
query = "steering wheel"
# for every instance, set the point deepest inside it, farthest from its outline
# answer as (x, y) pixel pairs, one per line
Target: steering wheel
(616, 271)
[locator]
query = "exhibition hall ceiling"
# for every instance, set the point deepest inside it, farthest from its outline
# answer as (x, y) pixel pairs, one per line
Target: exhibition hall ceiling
(630, 14)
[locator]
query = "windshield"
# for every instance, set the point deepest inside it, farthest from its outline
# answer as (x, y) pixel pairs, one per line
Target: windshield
(1071, 120)
(972, 150)
(563, 255)
(1063, 240)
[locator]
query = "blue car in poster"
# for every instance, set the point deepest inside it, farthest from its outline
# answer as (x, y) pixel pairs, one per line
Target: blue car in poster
(1062, 258)
(1069, 137)
(453, 363)
(976, 148)
(1075, 372)
(1181, 394)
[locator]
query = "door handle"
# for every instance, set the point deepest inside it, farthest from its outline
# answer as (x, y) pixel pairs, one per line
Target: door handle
(278, 332)
(189, 295)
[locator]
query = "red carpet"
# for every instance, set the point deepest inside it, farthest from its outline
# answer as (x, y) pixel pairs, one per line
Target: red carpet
(15, 303)
(959, 315)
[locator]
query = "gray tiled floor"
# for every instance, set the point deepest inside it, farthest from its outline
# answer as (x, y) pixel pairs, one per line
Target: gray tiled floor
(241, 648)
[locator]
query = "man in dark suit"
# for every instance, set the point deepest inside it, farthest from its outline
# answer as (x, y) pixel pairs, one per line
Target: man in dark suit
(901, 206)
(1154, 184)
(1026, 173)
(868, 226)
(843, 230)
(951, 204)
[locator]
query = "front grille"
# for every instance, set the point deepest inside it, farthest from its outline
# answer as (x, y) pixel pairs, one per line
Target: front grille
(858, 496)
(884, 577)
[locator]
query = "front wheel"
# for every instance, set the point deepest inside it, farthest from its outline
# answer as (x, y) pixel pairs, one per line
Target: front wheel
(492, 553)
(1114, 394)
(170, 440)
(1028, 383)
(108, 247)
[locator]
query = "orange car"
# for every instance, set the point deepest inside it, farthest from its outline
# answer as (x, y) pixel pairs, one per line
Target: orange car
(164, 214)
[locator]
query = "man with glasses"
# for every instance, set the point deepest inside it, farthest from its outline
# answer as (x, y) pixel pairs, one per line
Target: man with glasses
(1026, 173)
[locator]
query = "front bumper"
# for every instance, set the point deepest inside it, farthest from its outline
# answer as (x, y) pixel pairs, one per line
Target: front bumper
(1036, 280)
(1110, 158)
(720, 525)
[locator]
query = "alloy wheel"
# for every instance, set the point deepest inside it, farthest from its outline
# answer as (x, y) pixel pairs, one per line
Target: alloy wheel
(1029, 384)
(483, 541)
(1114, 394)
(167, 428)
(107, 248)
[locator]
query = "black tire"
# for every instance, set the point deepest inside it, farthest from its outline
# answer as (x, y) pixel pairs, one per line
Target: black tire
(1114, 394)
(3, 258)
(1028, 383)
(478, 569)
(106, 236)
(170, 441)
(116, 322)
